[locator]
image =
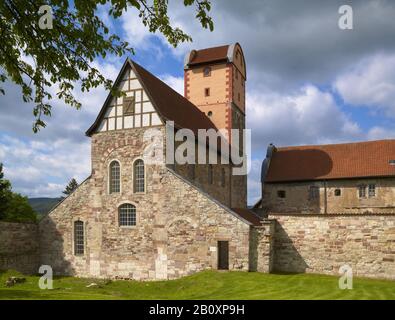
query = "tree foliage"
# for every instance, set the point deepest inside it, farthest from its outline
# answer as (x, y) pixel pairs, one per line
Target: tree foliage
(70, 187)
(36, 58)
(13, 206)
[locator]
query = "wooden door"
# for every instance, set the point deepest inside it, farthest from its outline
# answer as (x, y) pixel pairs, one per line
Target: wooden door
(223, 255)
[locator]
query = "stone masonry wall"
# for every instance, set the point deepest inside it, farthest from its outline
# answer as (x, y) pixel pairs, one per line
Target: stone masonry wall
(323, 243)
(19, 247)
(177, 228)
(297, 199)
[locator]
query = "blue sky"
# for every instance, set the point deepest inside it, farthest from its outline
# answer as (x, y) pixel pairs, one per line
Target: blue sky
(308, 82)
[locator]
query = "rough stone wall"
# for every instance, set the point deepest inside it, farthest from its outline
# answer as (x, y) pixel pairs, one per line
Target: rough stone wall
(297, 197)
(323, 243)
(261, 247)
(177, 225)
(19, 247)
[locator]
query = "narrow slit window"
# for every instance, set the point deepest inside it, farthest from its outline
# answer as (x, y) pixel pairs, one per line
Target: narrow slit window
(115, 177)
(139, 176)
(79, 238)
(210, 174)
(207, 92)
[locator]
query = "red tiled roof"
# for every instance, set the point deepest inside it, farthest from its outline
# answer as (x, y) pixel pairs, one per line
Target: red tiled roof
(170, 104)
(248, 215)
(209, 55)
(335, 161)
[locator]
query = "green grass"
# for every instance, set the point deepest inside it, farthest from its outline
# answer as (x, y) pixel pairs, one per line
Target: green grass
(203, 285)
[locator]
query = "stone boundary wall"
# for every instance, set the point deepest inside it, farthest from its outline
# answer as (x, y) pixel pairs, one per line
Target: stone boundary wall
(322, 243)
(19, 247)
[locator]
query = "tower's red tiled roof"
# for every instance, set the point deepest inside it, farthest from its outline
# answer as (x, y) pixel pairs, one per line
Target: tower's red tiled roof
(214, 54)
(334, 161)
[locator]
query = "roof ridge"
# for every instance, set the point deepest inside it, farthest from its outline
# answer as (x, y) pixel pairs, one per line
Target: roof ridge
(334, 144)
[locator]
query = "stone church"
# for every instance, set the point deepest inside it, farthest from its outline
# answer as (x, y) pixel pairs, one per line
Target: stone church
(133, 219)
(137, 216)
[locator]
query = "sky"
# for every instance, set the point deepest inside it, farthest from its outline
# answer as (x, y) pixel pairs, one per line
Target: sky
(308, 82)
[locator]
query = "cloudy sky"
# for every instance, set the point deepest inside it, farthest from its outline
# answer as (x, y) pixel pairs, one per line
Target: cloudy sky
(309, 82)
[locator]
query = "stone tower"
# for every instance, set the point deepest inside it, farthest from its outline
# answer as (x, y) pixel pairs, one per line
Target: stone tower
(214, 80)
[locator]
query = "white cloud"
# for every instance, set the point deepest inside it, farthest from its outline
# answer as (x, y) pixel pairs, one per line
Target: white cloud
(176, 83)
(307, 116)
(371, 83)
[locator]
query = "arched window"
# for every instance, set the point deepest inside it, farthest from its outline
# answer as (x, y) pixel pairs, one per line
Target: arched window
(115, 177)
(138, 176)
(127, 215)
(223, 177)
(79, 237)
(210, 174)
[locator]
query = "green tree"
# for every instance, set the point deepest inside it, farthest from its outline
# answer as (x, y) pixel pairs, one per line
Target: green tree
(70, 187)
(13, 206)
(5, 188)
(56, 44)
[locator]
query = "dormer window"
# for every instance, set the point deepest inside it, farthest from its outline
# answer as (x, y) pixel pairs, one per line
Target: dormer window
(128, 105)
(207, 72)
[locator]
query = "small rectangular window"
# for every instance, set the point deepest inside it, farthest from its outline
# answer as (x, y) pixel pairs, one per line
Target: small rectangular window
(207, 72)
(78, 238)
(128, 105)
(338, 192)
(372, 190)
(281, 194)
(362, 191)
(314, 192)
(207, 92)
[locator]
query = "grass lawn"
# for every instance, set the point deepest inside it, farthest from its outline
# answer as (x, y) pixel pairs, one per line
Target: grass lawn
(203, 285)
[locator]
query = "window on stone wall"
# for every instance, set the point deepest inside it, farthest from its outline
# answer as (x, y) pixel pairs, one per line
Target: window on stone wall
(362, 191)
(207, 72)
(207, 92)
(192, 171)
(281, 194)
(79, 238)
(139, 176)
(338, 192)
(223, 177)
(314, 192)
(372, 190)
(127, 215)
(210, 174)
(115, 177)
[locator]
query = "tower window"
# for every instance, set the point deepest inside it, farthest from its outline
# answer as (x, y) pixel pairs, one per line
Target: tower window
(223, 177)
(210, 174)
(207, 92)
(210, 113)
(207, 72)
